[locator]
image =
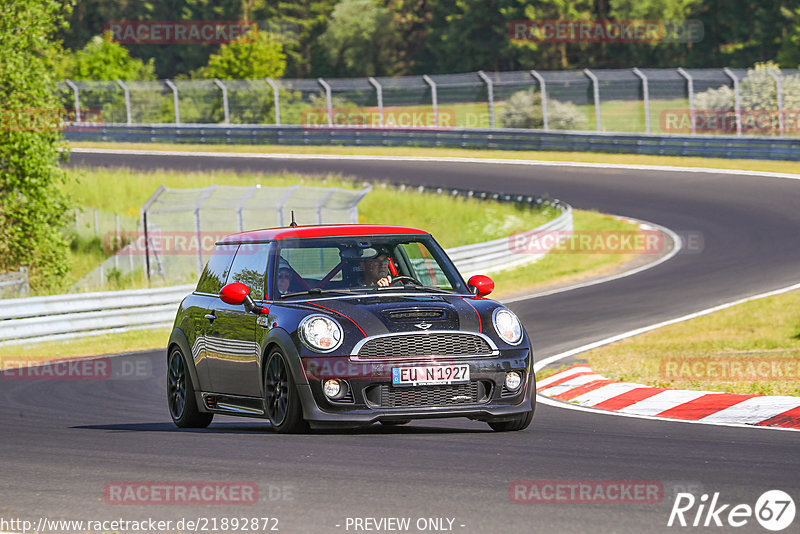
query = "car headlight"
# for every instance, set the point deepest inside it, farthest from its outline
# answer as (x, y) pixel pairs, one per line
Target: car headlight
(507, 325)
(320, 333)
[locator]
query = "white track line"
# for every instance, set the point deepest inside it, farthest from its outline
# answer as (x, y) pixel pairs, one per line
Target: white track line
(442, 159)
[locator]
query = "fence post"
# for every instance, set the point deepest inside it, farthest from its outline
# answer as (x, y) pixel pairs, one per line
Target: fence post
(77, 226)
(434, 99)
(96, 229)
(379, 95)
(175, 102)
(225, 109)
(690, 90)
(543, 89)
(779, 89)
(596, 91)
(127, 101)
(117, 242)
(645, 97)
(76, 98)
(328, 99)
(737, 110)
(490, 95)
(277, 97)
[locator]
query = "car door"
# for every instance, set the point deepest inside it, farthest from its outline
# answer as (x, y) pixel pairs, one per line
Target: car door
(203, 302)
(233, 353)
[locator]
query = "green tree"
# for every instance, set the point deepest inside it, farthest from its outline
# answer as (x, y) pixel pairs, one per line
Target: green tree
(301, 23)
(360, 39)
(32, 208)
(253, 55)
(103, 59)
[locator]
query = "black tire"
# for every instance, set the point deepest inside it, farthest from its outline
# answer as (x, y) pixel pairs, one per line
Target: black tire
(520, 422)
(396, 423)
(281, 402)
(181, 400)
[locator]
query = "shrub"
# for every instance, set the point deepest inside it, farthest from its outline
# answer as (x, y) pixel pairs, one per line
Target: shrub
(524, 110)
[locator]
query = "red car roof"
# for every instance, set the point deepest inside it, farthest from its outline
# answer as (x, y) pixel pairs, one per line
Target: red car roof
(331, 230)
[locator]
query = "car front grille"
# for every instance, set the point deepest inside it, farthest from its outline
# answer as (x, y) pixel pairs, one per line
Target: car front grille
(475, 392)
(425, 344)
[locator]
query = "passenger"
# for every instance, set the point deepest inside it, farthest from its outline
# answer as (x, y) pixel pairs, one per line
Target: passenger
(284, 276)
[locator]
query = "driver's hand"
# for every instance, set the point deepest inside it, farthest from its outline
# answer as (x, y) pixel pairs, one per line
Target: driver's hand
(385, 281)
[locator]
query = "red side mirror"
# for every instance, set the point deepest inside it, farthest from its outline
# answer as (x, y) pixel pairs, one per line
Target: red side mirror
(234, 293)
(481, 285)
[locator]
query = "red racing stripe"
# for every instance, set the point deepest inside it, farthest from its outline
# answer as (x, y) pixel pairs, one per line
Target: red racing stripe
(340, 313)
(480, 324)
(704, 406)
(586, 388)
(626, 399)
(790, 419)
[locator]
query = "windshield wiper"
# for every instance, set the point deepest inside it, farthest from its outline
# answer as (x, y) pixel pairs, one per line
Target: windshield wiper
(316, 291)
(412, 285)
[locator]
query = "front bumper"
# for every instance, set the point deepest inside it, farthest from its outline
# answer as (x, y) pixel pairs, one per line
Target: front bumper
(372, 397)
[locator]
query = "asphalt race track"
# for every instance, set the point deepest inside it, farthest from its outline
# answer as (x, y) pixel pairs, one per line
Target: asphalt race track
(65, 441)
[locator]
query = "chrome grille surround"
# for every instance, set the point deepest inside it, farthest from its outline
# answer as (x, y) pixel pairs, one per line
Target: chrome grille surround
(425, 345)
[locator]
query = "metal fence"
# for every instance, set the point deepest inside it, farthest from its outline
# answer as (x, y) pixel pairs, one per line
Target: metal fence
(177, 228)
(14, 284)
(659, 101)
(708, 146)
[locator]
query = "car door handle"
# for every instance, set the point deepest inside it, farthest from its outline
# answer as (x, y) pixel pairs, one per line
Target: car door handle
(210, 317)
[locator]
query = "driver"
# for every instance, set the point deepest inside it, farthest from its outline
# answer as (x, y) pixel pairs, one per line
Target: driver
(376, 270)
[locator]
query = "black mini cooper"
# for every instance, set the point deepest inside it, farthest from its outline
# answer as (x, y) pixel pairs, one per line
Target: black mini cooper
(345, 325)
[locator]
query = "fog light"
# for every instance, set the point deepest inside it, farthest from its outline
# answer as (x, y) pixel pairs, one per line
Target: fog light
(513, 380)
(332, 388)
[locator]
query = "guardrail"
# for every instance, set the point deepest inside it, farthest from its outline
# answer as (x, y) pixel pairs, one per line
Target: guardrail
(712, 146)
(57, 317)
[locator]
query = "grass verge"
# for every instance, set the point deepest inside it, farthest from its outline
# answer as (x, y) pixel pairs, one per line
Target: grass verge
(587, 157)
(753, 348)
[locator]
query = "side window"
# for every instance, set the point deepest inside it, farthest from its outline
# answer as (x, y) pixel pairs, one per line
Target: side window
(426, 268)
(216, 271)
(250, 267)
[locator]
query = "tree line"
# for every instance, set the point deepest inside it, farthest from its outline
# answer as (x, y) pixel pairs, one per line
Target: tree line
(345, 38)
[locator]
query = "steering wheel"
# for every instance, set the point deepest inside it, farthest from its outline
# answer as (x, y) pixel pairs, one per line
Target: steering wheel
(409, 278)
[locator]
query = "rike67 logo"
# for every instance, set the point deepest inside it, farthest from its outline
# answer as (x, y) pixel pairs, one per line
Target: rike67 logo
(774, 510)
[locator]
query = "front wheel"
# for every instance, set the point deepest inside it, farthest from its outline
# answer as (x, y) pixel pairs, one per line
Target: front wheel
(519, 422)
(180, 395)
(281, 401)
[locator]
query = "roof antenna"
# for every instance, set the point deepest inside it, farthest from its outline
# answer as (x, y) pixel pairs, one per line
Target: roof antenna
(293, 224)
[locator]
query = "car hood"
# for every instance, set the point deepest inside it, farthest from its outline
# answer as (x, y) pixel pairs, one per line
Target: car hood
(382, 314)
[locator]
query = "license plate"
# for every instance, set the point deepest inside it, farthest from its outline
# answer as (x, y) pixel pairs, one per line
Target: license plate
(430, 374)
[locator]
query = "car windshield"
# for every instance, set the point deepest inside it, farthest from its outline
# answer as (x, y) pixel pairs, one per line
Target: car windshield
(363, 264)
